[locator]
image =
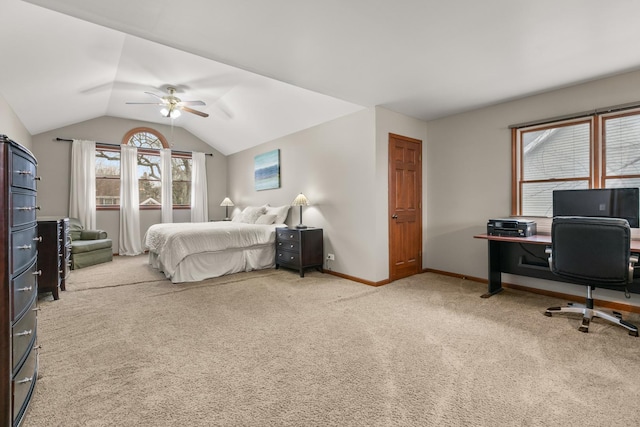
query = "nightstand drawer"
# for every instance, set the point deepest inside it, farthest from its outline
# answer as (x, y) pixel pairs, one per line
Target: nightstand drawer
(288, 235)
(288, 245)
(284, 257)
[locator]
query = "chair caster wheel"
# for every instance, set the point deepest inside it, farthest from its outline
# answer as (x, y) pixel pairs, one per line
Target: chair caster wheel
(585, 325)
(633, 333)
(546, 313)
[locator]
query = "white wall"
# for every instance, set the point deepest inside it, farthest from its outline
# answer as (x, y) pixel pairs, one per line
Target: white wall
(11, 126)
(333, 164)
(468, 177)
(54, 162)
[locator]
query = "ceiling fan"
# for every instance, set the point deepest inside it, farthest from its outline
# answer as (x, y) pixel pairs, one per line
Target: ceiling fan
(172, 105)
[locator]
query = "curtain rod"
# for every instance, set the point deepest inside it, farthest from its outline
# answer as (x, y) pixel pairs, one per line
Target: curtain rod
(118, 145)
(615, 108)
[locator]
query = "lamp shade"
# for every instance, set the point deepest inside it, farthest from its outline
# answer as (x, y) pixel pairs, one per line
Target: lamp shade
(227, 202)
(300, 200)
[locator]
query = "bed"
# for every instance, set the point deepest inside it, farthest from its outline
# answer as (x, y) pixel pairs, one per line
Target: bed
(190, 252)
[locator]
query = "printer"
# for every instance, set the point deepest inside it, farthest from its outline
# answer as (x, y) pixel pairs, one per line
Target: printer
(511, 227)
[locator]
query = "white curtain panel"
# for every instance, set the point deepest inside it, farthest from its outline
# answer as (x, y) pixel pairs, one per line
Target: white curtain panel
(167, 187)
(130, 241)
(82, 200)
(199, 203)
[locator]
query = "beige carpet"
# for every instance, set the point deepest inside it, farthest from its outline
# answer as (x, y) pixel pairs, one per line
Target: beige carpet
(125, 347)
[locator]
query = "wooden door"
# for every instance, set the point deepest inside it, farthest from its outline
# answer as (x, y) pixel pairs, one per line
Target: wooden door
(405, 206)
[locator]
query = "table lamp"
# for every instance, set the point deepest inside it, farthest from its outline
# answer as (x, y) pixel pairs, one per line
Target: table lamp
(301, 201)
(226, 203)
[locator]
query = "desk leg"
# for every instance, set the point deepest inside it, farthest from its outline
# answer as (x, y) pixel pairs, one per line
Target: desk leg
(495, 275)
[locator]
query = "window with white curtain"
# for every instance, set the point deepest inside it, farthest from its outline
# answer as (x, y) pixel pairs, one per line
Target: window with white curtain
(601, 150)
(149, 143)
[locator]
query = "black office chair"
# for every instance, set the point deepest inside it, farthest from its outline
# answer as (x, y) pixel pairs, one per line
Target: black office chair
(594, 252)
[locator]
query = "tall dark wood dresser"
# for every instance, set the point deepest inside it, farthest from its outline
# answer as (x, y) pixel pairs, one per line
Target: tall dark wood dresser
(19, 289)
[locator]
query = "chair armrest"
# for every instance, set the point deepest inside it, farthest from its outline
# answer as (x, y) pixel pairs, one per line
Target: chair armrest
(93, 234)
(633, 260)
(548, 251)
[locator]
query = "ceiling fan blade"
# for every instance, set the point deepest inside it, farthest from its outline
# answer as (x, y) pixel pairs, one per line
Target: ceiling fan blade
(191, 110)
(192, 103)
(157, 96)
(145, 103)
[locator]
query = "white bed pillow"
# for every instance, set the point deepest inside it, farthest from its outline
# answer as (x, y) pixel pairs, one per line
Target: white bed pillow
(250, 214)
(280, 212)
(266, 219)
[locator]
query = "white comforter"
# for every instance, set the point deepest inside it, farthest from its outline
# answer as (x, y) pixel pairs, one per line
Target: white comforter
(173, 242)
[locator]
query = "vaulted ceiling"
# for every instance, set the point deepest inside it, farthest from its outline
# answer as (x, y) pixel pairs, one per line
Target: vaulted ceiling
(266, 69)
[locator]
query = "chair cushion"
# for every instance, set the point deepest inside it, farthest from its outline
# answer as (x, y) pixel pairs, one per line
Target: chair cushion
(75, 229)
(79, 246)
(92, 235)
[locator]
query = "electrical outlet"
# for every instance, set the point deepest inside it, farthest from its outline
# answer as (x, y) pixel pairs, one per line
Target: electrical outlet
(331, 257)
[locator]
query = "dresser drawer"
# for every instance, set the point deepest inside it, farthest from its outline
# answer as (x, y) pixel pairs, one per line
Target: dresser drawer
(23, 291)
(24, 245)
(23, 384)
(287, 235)
(23, 171)
(23, 336)
(23, 208)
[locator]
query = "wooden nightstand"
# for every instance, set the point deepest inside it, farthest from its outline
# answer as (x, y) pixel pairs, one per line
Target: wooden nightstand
(299, 248)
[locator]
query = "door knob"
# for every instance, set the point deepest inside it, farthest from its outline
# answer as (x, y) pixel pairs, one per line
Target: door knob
(394, 216)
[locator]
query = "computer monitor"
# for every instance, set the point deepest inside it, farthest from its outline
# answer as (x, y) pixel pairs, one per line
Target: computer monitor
(604, 202)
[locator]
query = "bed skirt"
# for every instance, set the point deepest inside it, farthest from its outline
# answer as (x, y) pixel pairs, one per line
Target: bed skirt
(205, 265)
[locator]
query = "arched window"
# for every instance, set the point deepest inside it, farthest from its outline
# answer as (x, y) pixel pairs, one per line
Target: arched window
(149, 142)
(145, 138)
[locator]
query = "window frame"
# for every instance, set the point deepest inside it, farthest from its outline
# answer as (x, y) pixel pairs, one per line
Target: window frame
(597, 151)
(142, 150)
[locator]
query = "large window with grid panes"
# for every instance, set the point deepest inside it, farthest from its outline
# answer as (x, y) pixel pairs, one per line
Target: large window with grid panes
(149, 143)
(599, 150)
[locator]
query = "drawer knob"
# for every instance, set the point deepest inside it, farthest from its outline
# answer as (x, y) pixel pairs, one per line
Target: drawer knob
(24, 247)
(37, 178)
(279, 255)
(291, 257)
(291, 236)
(25, 380)
(38, 239)
(25, 289)
(291, 245)
(37, 273)
(23, 333)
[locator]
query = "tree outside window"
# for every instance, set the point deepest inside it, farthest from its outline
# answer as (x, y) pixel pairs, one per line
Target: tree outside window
(149, 143)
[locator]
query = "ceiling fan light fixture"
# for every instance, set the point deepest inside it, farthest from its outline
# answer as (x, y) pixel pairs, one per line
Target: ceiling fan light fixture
(174, 113)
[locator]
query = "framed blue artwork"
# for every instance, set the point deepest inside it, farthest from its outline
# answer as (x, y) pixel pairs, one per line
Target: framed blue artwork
(267, 170)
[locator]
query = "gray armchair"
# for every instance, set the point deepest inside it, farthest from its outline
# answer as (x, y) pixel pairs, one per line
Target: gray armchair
(88, 247)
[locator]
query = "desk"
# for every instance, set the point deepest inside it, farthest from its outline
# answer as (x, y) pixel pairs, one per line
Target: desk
(525, 256)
